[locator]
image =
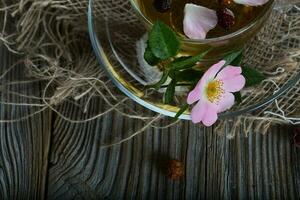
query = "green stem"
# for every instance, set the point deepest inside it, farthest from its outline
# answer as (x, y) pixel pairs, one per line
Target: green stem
(193, 60)
(177, 85)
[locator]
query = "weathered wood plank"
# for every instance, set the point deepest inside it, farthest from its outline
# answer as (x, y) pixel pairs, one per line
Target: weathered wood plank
(257, 167)
(24, 145)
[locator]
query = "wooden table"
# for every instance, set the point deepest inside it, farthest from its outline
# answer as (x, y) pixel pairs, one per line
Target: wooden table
(47, 157)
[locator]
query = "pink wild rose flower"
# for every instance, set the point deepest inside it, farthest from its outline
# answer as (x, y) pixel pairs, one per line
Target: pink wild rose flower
(214, 92)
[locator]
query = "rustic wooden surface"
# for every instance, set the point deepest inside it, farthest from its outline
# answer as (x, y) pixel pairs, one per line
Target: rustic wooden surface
(45, 157)
(24, 144)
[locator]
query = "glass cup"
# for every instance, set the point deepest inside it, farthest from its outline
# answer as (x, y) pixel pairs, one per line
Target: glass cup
(221, 45)
(115, 34)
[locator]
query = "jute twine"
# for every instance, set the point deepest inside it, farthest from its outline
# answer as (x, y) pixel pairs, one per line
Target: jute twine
(52, 41)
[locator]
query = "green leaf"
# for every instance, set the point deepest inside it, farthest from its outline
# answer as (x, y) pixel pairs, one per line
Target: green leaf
(170, 92)
(150, 58)
(252, 76)
(163, 41)
(238, 97)
(233, 57)
(163, 79)
(188, 62)
(181, 111)
(181, 59)
(189, 75)
(238, 60)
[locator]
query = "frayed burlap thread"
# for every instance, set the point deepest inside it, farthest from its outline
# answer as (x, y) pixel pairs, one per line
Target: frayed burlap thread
(52, 40)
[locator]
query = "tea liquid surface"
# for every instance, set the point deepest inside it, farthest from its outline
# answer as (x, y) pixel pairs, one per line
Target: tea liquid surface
(174, 16)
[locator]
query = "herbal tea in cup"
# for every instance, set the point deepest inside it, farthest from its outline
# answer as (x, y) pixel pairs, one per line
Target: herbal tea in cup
(227, 27)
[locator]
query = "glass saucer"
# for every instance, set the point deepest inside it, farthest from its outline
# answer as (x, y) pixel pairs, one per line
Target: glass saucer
(118, 39)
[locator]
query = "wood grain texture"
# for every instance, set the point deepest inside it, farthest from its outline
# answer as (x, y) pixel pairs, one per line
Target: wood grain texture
(257, 167)
(24, 144)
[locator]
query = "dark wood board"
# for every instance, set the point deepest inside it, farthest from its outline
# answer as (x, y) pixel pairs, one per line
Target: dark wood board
(257, 167)
(46, 157)
(24, 144)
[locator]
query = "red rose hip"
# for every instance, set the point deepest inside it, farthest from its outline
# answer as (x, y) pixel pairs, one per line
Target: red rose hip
(226, 18)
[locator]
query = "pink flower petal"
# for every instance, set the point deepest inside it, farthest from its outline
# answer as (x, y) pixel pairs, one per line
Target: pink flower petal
(251, 2)
(198, 20)
(198, 112)
(212, 71)
(226, 102)
(194, 95)
(229, 72)
(234, 84)
(210, 117)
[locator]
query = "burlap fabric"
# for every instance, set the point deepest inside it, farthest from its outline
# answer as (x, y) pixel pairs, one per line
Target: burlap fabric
(52, 40)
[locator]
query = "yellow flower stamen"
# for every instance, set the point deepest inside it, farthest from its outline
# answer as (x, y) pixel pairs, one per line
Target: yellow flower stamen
(214, 91)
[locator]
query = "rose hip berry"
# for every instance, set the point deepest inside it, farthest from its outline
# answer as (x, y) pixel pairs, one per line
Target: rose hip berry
(226, 18)
(175, 169)
(162, 5)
